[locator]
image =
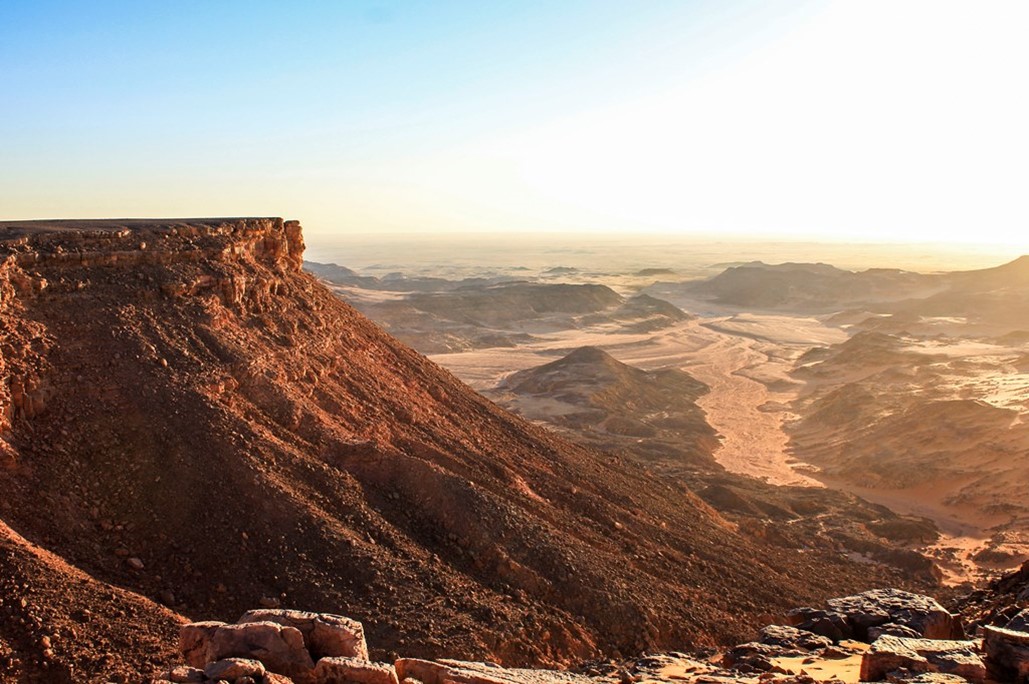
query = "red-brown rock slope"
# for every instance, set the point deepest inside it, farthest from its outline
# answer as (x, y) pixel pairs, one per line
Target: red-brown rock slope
(186, 415)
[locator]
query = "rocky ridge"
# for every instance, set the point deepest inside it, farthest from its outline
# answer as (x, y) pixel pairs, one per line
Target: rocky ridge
(192, 426)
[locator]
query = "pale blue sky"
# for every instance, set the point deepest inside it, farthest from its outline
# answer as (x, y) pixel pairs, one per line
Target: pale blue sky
(881, 119)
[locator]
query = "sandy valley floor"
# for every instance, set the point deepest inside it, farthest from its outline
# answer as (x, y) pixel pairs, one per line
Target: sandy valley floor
(746, 374)
(908, 390)
(745, 359)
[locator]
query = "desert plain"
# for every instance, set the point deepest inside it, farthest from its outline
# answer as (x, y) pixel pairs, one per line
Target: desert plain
(901, 377)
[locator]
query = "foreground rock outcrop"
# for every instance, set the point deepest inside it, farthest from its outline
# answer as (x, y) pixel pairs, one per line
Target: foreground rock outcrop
(877, 612)
(256, 651)
(892, 654)
(307, 647)
(283, 646)
(187, 416)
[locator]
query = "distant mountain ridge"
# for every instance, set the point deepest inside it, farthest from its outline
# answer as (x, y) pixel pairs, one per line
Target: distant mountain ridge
(808, 286)
(821, 288)
(436, 315)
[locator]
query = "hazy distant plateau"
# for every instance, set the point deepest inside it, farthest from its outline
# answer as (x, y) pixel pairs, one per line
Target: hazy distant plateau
(603, 256)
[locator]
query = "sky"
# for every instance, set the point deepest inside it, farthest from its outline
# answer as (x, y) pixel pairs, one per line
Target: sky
(864, 120)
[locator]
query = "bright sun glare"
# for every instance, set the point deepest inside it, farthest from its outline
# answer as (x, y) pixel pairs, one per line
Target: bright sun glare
(880, 121)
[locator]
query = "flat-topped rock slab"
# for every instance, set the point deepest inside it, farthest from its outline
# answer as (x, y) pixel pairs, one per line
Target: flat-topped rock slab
(17, 229)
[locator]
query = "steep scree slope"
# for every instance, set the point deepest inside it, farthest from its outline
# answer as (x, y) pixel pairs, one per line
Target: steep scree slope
(188, 416)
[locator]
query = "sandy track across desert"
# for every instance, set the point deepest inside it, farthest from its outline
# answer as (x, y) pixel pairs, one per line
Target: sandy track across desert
(753, 441)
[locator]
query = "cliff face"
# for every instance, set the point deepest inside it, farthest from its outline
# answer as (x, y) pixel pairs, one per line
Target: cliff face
(188, 416)
(175, 258)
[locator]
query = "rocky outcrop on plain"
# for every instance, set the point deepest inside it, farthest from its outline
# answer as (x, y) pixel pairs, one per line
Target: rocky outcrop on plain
(651, 415)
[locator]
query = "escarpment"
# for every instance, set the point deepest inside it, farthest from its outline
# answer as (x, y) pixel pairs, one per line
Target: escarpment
(190, 418)
(161, 257)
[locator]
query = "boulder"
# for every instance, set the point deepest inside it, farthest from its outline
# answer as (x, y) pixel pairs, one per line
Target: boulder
(892, 629)
(460, 672)
(280, 648)
(333, 670)
(234, 668)
(325, 635)
(825, 623)
(891, 653)
(183, 674)
(793, 638)
(1007, 653)
(922, 614)
(754, 656)
(1020, 622)
(194, 639)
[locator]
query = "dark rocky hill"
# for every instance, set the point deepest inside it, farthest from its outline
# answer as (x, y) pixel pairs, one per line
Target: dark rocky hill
(994, 296)
(651, 415)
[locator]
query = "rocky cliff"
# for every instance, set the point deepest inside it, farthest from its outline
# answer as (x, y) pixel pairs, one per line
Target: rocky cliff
(57, 257)
(190, 420)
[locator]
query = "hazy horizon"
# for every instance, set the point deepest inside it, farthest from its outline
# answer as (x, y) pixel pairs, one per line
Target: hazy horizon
(471, 255)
